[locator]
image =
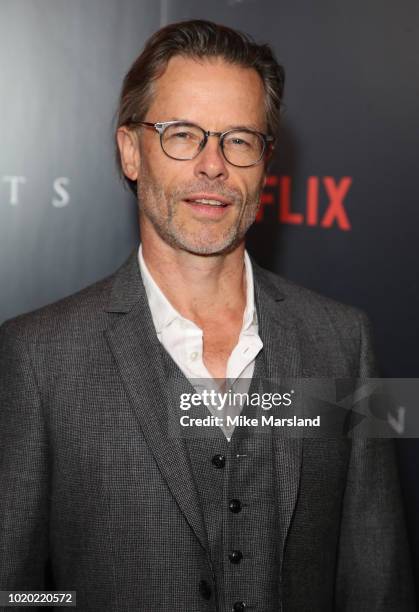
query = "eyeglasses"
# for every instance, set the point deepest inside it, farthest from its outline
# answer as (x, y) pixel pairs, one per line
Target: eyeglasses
(242, 147)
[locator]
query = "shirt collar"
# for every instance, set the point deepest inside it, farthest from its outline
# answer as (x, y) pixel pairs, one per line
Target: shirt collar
(162, 311)
(249, 316)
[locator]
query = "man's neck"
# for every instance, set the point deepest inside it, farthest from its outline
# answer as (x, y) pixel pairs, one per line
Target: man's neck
(199, 287)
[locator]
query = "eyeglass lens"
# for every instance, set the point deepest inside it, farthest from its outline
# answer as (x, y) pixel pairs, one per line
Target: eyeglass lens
(240, 147)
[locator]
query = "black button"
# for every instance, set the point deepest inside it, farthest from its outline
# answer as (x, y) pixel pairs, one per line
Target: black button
(235, 556)
(205, 589)
(235, 505)
(239, 606)
(219, 461)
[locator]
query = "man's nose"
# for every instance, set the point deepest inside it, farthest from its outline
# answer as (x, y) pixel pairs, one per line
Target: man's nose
(210, 161)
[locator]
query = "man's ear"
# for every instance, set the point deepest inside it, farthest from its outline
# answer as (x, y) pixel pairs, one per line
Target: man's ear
(129, 150)
(264, 180)
(268, 158)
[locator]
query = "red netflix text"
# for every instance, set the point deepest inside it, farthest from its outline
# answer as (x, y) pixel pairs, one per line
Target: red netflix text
(324, 201)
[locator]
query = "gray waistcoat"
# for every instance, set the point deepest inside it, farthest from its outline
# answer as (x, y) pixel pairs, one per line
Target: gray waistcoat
(237, 487)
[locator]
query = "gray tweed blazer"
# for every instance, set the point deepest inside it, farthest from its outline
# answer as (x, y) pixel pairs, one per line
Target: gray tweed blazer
(96, 497)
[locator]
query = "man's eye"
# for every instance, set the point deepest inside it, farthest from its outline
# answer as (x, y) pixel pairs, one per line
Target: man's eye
(238, 142)
(183, 135)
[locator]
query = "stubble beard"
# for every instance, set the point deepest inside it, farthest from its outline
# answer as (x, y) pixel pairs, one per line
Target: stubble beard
(161, 210)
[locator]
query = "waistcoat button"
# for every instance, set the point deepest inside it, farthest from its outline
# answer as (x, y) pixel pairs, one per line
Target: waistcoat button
(235, 556)
(239, 606)
(235, 505)
(219, 461)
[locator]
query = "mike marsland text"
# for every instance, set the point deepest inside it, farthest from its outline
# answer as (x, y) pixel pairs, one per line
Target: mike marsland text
(244, 421)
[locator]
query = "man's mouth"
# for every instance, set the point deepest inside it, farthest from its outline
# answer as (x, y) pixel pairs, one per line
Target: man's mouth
(206, 201)
(208, 205)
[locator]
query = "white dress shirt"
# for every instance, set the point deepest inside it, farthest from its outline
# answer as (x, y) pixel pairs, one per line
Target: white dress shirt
(183, 339)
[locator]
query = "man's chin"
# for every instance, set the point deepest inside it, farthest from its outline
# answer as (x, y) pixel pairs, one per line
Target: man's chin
(202, 242)
(209, 248)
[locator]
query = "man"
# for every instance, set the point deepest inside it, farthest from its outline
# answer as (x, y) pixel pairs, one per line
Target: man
(96, 486)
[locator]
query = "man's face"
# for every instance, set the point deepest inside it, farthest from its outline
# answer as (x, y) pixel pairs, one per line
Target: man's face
(216, 96)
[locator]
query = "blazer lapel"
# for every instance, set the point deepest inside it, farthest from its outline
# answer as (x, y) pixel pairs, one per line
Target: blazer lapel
(283, 359)
(134, 344)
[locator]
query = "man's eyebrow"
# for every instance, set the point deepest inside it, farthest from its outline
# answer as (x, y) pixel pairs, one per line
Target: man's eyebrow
(232, 126)
(244, 126)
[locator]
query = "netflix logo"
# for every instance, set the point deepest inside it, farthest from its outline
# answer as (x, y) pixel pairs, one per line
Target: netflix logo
(324, 202)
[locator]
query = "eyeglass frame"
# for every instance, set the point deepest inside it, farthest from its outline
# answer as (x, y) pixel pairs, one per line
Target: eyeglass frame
(161, 126)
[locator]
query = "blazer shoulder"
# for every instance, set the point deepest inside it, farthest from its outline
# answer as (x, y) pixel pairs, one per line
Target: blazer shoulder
(79, 314)
(343, 331)
(308, 303)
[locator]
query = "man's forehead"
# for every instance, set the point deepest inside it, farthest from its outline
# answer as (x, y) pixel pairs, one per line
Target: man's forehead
(191, 86)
